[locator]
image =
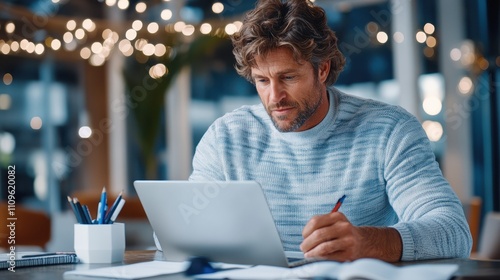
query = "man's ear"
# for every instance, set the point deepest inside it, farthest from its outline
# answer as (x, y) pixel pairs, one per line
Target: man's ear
(324, 70)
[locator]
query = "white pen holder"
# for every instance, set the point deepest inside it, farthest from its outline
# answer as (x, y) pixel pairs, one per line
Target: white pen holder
(100, 243)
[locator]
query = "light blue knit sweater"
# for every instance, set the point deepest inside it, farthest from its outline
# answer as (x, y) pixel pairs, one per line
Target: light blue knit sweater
(376, 154)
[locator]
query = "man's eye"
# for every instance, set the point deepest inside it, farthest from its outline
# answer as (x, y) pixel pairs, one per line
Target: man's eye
(289, 77)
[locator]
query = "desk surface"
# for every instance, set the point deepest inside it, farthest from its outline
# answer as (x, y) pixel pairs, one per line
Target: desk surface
(468, 269)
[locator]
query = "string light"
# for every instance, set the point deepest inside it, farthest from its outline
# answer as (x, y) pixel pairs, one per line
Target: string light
(153, 27)
(123, 4)
(398, 37)
(39, 49)
(79, 34)
(55, 44)
(68, 37)
(96, 60)
(160, 50)
(166, 14)
(205, 28)
(137, 25)
(148, 49)
(14, 46)
(36, 123)
(431, 41)
(85, 132)
(110, 2)
(131, 34)
(217, 7)
(178, 26)
(141, 7)
(31, 47)
(96, 47)
(429, 28)
(455, 54)
(10, 27)
(88, 25)
(85, 53)
(5, 101)
(7, 79)
(432, 105)
(231, 29)
(157, 71)
(382, 37)
(24, 44)
(372, 27)
(5, 49)
(71, 25)
(465, 85)
(434, 130)
(188, 30)
(80, 37)
(421, 37)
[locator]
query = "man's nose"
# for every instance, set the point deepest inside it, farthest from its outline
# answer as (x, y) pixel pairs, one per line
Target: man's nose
(276, 92)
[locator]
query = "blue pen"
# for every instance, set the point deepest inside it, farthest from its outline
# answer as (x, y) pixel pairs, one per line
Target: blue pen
(86, 211)
(102, 208)
(112, 209)
(117, 211)
(339, 203)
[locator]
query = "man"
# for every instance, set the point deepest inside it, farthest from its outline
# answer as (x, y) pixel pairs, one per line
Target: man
(308, 144)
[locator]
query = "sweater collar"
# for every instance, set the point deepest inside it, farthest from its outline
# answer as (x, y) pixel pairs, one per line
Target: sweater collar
(320, 128)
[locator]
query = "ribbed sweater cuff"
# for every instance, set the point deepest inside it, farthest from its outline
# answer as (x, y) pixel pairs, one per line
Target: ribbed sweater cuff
(408, 244)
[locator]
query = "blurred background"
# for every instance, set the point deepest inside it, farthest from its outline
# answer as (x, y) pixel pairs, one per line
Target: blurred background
(100, 93)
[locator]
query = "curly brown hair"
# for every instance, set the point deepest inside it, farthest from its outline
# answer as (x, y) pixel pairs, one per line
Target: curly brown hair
(296, 24)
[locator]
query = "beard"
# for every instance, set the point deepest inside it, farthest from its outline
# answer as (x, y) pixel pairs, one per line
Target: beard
(302, 116)
(309, 106)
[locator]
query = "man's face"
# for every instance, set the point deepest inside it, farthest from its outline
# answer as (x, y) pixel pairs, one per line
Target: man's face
(294, 97)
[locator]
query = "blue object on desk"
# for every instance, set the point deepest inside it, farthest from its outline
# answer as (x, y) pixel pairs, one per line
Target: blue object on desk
(102, 206)
(199, 265)
(112, 210)
(81, 212)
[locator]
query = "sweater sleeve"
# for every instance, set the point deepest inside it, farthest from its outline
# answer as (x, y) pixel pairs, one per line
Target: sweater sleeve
(207, 164)
(431, 223)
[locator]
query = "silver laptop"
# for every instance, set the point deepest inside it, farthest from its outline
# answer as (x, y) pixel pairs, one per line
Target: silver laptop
(224, 221)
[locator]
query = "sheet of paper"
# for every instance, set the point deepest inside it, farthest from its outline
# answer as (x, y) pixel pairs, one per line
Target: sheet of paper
(371, 269)
(132, 271)
(378, 270)
(273, 272)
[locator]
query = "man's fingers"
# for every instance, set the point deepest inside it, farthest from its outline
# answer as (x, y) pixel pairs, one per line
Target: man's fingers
(332, 250)
(321, 221)
(317, 237)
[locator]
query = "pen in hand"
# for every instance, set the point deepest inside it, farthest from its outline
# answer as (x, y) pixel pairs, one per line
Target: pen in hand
(337, 205)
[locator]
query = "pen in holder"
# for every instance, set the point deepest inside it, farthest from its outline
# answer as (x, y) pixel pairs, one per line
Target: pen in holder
(100, 243)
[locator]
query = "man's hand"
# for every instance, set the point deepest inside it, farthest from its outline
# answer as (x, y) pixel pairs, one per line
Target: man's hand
(333, 237)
